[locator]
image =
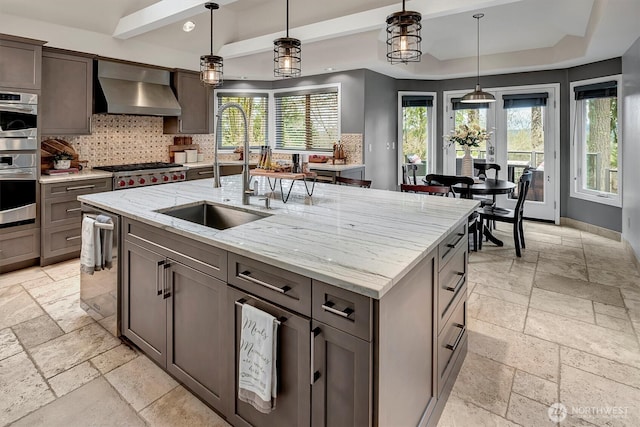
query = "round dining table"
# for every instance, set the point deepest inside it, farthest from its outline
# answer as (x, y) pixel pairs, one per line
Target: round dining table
(486, 187)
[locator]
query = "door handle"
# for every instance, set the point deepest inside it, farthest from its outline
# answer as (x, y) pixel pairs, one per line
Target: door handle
(167, 279)
(159, 277)
(314, 375)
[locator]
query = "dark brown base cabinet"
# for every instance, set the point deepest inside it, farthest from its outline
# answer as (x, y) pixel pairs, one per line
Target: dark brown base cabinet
(343, 359)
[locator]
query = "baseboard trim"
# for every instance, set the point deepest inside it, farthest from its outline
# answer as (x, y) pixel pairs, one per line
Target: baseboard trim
(590, 228)
(634, 257)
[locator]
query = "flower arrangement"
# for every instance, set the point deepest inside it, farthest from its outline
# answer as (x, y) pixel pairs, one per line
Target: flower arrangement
(62, 155)
(468, 135)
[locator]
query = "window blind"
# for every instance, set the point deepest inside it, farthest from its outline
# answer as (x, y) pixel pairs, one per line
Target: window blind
(417, 101)
(255, 106)
(307, 120)
(597, 90)
(525, 100)
(457, 105)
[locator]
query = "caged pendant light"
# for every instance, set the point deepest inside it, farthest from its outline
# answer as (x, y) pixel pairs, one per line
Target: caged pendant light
(211, 65)
(478, 96)
(403, 36)
(287, 55)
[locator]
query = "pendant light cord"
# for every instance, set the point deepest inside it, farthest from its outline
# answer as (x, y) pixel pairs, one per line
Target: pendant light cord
(287, 18)
(478, 49)
(211, 45)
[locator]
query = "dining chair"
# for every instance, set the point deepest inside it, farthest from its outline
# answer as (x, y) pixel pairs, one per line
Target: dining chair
(408, 172)
(353, 182)
(482, 169)
(440, 190)
(511, 216)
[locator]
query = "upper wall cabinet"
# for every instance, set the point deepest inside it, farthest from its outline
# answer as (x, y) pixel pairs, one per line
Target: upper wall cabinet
(193, 97)
(66, 102)
(20, 63)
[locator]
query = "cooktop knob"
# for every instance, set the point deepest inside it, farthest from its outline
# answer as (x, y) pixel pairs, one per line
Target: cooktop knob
(175, 177)
(141, 181)
(154, 179)
(165, 178)
(131, 182)
(181, 176)
(122, 183)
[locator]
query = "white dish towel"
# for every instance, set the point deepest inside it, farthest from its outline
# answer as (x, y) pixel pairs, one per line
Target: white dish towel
(257, 376)
(88, 248)
(106, 240)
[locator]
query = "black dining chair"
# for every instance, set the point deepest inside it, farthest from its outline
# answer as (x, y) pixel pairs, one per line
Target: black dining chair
(511, 216)
(364, 183)
(409, 172)
(439, 190)
(482, 168)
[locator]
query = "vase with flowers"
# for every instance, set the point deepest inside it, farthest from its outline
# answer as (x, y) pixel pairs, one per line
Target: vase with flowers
(468, 136)
(62, 160)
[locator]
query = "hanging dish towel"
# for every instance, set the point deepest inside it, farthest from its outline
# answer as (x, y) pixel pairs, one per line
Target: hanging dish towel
(106, 238)
(257, 376)
(87, 250)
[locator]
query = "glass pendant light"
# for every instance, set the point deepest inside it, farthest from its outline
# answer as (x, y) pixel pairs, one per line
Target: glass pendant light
(478, 96)
(403, 36)
(211, 65)
(287, 55)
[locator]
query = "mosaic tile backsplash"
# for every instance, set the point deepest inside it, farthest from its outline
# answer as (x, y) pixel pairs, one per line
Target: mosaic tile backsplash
(122, 139)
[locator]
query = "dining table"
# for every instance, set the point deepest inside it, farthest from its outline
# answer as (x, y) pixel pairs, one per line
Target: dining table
(486, 187)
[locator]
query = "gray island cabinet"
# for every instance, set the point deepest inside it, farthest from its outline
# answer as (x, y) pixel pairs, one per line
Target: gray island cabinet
(369, 288)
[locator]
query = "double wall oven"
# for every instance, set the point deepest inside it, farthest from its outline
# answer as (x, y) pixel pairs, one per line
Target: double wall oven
(18, 158)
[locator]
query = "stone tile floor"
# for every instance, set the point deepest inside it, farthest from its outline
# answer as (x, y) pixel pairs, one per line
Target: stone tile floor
(558, 325)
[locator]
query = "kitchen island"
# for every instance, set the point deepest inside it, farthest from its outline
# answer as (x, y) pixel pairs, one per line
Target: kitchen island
(369, 287)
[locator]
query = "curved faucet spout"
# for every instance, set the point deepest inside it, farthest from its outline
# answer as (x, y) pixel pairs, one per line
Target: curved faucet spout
(245, 168)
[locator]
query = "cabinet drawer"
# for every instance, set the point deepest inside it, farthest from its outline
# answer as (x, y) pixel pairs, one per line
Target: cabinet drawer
(77, 188)
(200, 173)
(450, 340)
(61, 240)
(282, 287)
(452, 280)
(61, 211)
(19, 246)
(342, 309)
(451, 243)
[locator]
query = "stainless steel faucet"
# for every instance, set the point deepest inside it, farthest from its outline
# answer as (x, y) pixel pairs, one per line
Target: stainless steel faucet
(246, 192)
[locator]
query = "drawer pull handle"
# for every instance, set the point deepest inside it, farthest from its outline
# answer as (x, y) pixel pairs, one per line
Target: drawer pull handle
(167, 279)
(81, 187)
(205, 173)
(329, 307)
(73, 238)
(159, 277)
(246, 275)
(458, 338)
(314, 374)
(453, 245)
(458, 285)
(73, 210)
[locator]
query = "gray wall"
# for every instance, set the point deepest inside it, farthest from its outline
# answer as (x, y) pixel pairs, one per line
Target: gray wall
(631, 147)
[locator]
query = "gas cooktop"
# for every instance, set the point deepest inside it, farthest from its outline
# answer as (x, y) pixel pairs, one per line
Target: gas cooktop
(138, 167)
(143, 174)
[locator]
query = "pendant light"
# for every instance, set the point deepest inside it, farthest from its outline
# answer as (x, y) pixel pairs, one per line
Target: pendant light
(287, 55)
(211, 65)
(403, 36)
(478, 96)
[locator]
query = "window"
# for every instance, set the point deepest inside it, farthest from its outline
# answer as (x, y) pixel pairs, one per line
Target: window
(307, 119)
(416, 131)
(255, 106)
(596, 162)
(468, 114)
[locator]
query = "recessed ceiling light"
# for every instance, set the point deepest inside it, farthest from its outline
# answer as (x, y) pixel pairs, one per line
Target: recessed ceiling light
(188, 26)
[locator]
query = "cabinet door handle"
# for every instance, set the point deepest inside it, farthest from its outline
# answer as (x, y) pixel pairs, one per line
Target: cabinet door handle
(167, 281)
(314, 375)
(205, 173)
(458, 285)
(81, 187)
(73, 238)
(246, 275)
(180, 125)
(328, 306)
(458, 338)
(73, 210)
(159, 277)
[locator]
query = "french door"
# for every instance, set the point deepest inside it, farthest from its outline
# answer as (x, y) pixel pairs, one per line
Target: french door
(416, 132)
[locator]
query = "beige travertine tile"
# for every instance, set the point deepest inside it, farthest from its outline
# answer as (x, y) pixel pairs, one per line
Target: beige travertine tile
(610, 310)
(560, 252)
(55, 290)
(64, 352)
(110, 324)
(612, 278)
(16, 306)
(19, 276)
(9, 344)
(116, 357)
(573, 421)
(527, 353)
(37, 330)
(531, 235)
(535, 388)
(519, 282)
(21, 387)
(73, 378)
(560, 267)
(498, 312)
(572, 241)
(67, 313)
(95, 403)
(562, 304)
(582, 390)
(600, 366)
(578, 288)
(140, 382)
(179, 407)
(39, 281)
(622, 325)
(502, 294)
(460, 413)
(633, 309)
(63, 270)
(631, 292)
(484, 383)
(527, 412)
(621, 266)
(593, 339)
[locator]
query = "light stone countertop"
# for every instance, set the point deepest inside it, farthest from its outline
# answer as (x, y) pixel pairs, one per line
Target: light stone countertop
(336, 168)
(210, 164)
(84, 174)
(363, 240)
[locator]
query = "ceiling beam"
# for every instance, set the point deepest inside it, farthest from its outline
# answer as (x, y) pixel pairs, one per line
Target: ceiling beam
(355, 23)
(158, 15)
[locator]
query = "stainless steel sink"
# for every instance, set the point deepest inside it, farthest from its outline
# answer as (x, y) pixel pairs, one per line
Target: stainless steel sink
(211, 215)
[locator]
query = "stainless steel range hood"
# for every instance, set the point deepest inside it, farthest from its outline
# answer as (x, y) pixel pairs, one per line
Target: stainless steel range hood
(130, 89)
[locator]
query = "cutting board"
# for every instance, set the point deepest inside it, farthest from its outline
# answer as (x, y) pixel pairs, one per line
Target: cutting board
(50, 148)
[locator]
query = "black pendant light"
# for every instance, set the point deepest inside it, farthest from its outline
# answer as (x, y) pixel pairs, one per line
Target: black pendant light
(211, 65)
(287, 59)
(478, 96)
(403, 36)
